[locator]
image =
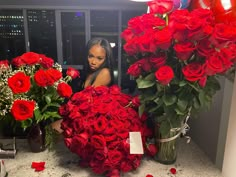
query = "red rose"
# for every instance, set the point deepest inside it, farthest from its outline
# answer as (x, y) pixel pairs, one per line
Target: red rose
(135, 101)
(214, 65)
(193, 71)
(145, 64)
(100, 155)
(115, 157)
(151, 149)
(30, 58)
(97, 166)
(4, 64)
(184, 50)
(45, 61)
(143, 43)
(22, 109)
(73, 73)
(126, 166)
(98, 141)
(202, 81)
(160, 6)
(197, 29)
(100, 124)
(158, 60)
(17, 62)
(53, 74)
(134, 69)
(40, 78)
(162, 38)
(131, 46)
(223, 33)
(64, 90)
(204, 48)
(127, 34)
(19, 83)
(79, 141)
(164, 74)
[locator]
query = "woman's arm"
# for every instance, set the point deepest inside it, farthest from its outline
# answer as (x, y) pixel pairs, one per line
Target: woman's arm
(103, 78)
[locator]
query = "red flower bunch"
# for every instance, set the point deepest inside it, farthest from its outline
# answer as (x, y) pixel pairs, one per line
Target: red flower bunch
(33, 88)
(96, 124)
(176, 58)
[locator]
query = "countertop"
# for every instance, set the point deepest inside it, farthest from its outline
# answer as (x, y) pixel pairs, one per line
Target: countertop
(191, 162)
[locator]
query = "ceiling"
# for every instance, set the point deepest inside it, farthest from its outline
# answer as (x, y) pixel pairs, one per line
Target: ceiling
(114, 4)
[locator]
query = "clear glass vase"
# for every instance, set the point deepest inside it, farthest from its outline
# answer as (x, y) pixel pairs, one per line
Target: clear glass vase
(167, 147)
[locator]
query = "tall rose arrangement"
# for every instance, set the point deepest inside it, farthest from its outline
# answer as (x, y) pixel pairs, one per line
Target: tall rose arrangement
(32, 89)
(96, 124)
(176, 58)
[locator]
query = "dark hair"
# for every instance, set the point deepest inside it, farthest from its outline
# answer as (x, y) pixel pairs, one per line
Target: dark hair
(108, 61)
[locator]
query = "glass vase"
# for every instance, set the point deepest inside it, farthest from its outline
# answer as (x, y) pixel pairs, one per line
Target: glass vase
(36, 138)
(167, 150)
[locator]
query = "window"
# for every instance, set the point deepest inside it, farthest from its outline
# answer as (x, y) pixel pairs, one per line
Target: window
(42, 32)
(12, 39)
(73, 37)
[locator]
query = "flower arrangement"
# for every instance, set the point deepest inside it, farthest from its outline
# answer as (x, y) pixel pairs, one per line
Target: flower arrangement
(96, 124)
(32, 89)
(176, 57)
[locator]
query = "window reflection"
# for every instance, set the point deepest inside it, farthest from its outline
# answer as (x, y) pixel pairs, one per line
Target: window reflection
(12, 39)
(42, 35)
(73, 37)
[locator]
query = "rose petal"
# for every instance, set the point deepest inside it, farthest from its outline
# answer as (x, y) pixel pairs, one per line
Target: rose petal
(148, 175)
(37, 165)
(173, 170)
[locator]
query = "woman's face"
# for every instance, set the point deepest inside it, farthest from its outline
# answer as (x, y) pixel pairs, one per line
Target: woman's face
(96, 57)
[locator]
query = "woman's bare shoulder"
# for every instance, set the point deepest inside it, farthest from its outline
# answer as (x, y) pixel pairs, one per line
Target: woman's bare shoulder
(103, 78)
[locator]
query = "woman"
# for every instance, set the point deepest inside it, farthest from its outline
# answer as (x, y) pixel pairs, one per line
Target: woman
(98, 68)
(99, 65)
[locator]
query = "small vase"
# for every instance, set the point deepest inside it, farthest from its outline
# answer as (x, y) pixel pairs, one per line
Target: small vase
(36, 138)
(167, 151)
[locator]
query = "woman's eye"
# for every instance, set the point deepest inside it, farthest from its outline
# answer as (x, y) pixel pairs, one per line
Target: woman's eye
(90, 56)
(100, 58)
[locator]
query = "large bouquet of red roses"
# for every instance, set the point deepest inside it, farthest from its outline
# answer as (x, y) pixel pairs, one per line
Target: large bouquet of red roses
(96, 124)
(32, 88)
(176, 58)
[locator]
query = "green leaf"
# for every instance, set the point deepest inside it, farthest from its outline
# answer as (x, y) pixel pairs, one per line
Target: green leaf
(141, 109)
(164, 128)
(169, 99)
(179, 112)
(182, 83)
(37, 114)
(196, 103)
(146, 82)
(47, 99)
(182, 104)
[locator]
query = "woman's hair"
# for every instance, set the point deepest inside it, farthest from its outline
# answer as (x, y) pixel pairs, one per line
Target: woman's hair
(108, 63)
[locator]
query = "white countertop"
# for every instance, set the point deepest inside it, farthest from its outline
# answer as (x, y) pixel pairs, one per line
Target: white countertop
(191, 162)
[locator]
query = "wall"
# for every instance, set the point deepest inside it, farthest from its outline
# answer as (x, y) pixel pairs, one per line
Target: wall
(229, 162)
(209, 129)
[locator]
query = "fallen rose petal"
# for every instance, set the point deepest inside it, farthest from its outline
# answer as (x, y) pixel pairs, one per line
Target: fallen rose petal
(39, 169)
(148, 175)
(38, 165)
(173, 170)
